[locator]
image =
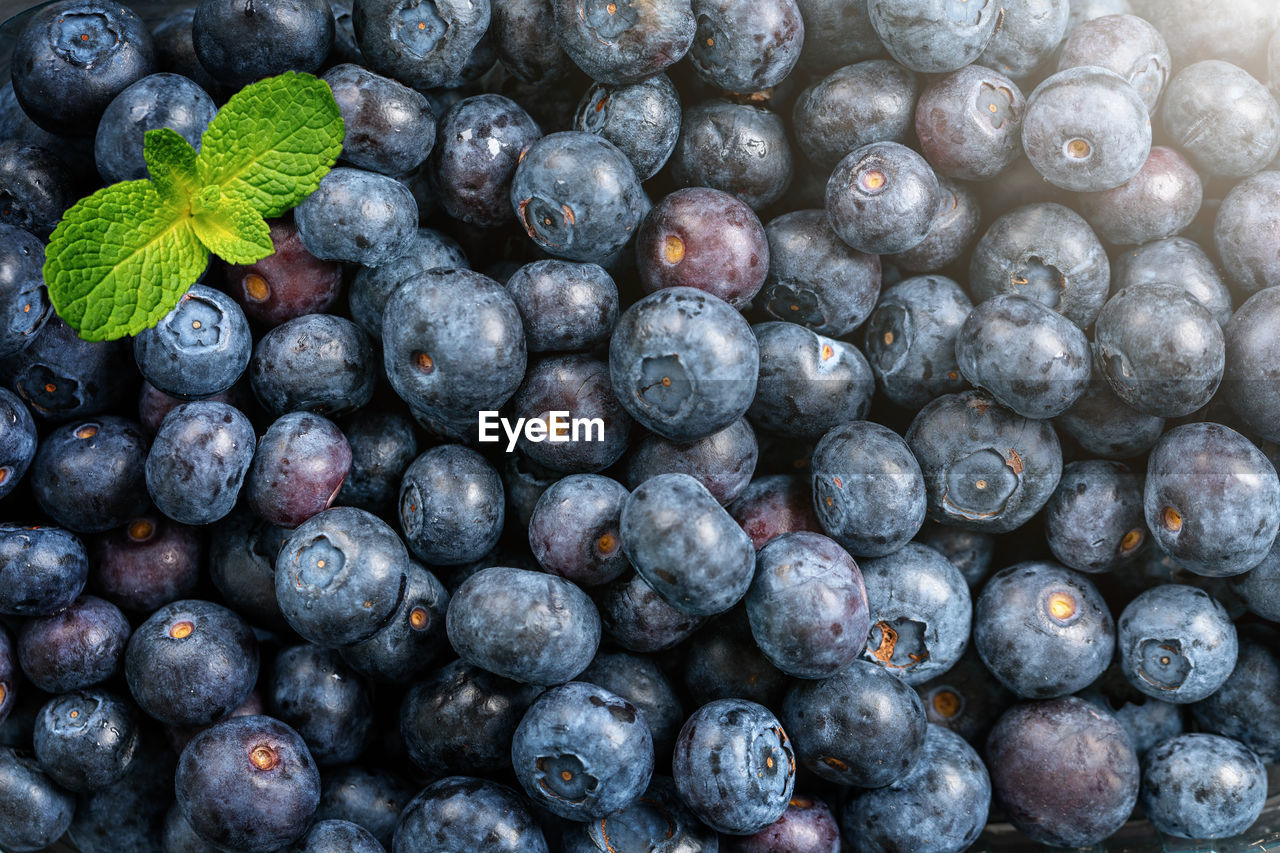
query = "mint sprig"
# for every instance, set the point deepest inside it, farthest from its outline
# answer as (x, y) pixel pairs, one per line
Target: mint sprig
(120, 259)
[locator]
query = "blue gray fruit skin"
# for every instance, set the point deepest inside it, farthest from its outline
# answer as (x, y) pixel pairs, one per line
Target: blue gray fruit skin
(807, 605)
(86, 740)
(38, 184)
(34, 812)
(465, 813)
(964, 142)
(279, 36)
(339, 836)
(1027, 37)
(951, 233)
(242, 561)
(1027, 356)
(519, 31)
(24, 301)
(198, 349)
(382, 446)
(686, 546)
(1105, 426)
(408, 645)
(872, 101)
(451, 505)
(736, 148)
(1063, 770)
(638, 619)
(128, 816)
(657, 820)
(371, 287)
(920, 613)
(582, 752)
(941, 803)
(1241, 232)
(191, 663)
(837, 33)
(455, 344)
(1086, 129)
(1232, 142)
(969, 550)
(1147, 721)
(882, 198)
(77, 647)
(1176, 643)
(683, 363)
(155, 101)
(566, 307)
(297, 469)
(1247, 706)
(1180, 261)
(66, 91)
(1259, 587)
(357, 216)
(724, 461)
(927, 36)
(1159, 349)
(734, 766)
(198, 461)
(87, 475)
(573, 531)
(637, 41)
(313, 690)
(441, 37)
(9, 669)
(579, 385)
(340, 576)
(910, 339)
(1043, 630)
(480, 143)
(389, 128)
(1203, 786)
(966, 699)
(639, 680)
(316, 363)
(725, 662)
(368, 797)
(249, 783)
(1045, 252)
(815, 279)
(808, 383)
(868, 489)
(577, 196)
(42, 569)
(642, 119)
(527, 626)
(60, 376)
(1212, 499)
(746, 47)
(1163, 199)
(862, 726)
(1094, 521)
(1126, 44)
(460, 718)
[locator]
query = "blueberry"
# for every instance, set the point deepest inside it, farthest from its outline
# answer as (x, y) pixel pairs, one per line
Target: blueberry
(339, 836)
(723, 462)
(856, 105)
(920, 612)
(934, 36)
(288, 283)
(248, 783)
(316, 692)
(807, 605)
(882, 198)
(1212, 499)
(565, 306)
(523, 625)
(773, 505)
(580, 386)
(1179, 261)
(910, 339)
(198, 349)
(577, 196)
(481, 141)
(1045, 252)
(1086, 129)
(409, 643)
(451, 505)
(340, 576)
(1043, 630)
(371, 287)
(1148, 721)
(24, 301)
(382, 446)
(1063, 771)
(815, 279)
(1258, 586)
(951, 233)
(655, 819)
(317, 363)
(1223, 118)
(642, 119)
(9, 668)
(1103, 425)
(969, 122)
(1240, 232)
(1094, 521)
(1126, 44)
(1176, 643)
(368, 797)
(1245, 707)
(198, 461)
(966, 699)
(389, 127)
(155, 101)
(1160, 201)
(743, 46)
(357, 216)
(1027, 36)
(242, 559)
(862, 726)
(297, 469)
(147, 563)
(191, 663)
(640, 681)
(940, 803)
(638, 619)
(837, 32)
(128, 816)
(808, 384)
(573, 531)
(1203, 786)
(807, 826)
(176, 50)
(624, 41)
(35, 188)
(86, 740)
(239, 43)
(970, 551)
(75, 648)
(42, 569)
(62, 377)
(738, 148)
(177, 835)
(519, 31)
(73, 57)
(1159, 349)
(34, 812)
(462, 813)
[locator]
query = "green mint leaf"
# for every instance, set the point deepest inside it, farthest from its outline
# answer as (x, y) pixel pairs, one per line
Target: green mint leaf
(230, 227)
(172, 163)
(120, 260)
(273, 142)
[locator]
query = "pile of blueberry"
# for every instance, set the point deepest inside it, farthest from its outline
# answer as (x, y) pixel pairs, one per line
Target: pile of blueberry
(674, 426)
